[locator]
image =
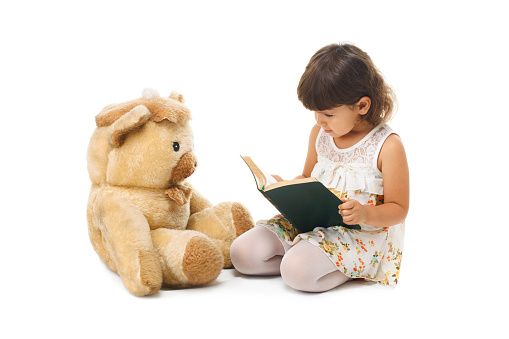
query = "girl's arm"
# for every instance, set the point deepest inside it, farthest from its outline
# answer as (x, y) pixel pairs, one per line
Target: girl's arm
(393, 164)
(312, 157)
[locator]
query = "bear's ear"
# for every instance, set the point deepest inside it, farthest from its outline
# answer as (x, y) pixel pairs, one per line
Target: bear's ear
(130, 121)
(177, 96)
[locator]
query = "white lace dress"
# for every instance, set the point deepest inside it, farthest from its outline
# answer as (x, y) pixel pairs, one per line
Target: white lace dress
(373, 253)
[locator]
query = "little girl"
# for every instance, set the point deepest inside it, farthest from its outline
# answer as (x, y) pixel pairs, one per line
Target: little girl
(357, 155)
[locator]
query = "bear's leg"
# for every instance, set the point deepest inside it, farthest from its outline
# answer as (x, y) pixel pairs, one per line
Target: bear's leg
(121, 235)
(187, 258)
(222, 223)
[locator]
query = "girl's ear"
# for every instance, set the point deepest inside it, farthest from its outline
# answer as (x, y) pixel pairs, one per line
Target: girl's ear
(363, 105)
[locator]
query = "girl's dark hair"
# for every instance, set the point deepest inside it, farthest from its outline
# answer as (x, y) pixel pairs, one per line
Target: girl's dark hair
(341, 74)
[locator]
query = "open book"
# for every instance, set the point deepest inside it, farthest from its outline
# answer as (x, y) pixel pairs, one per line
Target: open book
(305, 203)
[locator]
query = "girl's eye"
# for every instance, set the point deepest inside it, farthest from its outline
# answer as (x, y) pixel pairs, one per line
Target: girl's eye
(328, 115)
(176, 146)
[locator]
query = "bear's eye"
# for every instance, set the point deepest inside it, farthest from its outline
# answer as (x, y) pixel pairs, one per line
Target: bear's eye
(176, 146)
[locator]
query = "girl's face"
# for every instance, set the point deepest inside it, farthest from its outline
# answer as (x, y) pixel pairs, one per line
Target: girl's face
(339, 121)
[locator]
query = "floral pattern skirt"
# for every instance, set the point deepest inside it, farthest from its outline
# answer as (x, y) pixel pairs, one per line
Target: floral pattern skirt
(372, 253)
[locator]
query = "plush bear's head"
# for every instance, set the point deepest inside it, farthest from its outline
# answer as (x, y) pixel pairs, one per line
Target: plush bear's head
(145, 142)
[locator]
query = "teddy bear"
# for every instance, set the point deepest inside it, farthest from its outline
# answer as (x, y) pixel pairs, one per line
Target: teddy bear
(145, 221)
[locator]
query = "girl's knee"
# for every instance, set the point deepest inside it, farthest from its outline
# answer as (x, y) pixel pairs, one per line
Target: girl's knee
(295, 272)
(255, 252)
(241, 254)
(306, 268)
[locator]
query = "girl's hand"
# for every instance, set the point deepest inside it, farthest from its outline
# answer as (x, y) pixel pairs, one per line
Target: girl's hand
(352, 211)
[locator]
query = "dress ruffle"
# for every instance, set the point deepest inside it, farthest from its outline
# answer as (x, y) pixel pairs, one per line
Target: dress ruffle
(348, 177)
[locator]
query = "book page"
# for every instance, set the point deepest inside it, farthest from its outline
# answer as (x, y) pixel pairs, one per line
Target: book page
(262, 177)
(269, 179)
(289, 182)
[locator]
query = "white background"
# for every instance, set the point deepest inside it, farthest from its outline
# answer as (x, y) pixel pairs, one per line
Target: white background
(238, 66)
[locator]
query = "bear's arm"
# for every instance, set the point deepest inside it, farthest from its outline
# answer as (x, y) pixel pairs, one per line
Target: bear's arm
(198, 202)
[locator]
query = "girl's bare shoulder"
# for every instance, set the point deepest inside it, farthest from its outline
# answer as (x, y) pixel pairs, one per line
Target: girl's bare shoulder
(392, 151)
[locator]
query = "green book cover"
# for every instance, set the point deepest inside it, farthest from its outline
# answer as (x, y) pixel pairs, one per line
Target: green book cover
(305, 203)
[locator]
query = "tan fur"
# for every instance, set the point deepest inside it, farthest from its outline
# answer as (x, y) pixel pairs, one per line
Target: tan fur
(170, 246)
(179, 193)
(145, 222)
(198, 262)
(136, 118)
(171, 109)
(222, 223)
(177, 96)
(184, 168)
(241, 220)
(150, 271)
(199, 203)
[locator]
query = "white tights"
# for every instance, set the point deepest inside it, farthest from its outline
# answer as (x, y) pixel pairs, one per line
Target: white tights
(304, 267)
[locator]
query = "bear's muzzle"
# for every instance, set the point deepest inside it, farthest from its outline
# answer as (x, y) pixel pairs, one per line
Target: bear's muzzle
(185, 167)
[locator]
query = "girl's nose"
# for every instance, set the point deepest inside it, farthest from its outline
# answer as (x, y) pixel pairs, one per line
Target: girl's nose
(319, 120)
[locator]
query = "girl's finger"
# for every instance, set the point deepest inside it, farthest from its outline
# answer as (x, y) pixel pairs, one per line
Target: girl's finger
(348, 220)
(347, 205)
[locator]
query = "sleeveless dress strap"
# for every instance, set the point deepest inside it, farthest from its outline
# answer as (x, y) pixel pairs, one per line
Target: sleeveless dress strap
(387, 131)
